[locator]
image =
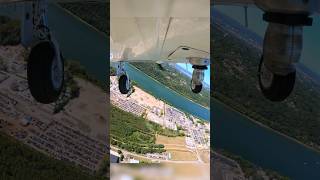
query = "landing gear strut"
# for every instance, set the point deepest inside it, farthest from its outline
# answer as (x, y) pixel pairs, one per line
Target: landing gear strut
(45, 69)
(197, 78)
(199, 65)
(282, 48)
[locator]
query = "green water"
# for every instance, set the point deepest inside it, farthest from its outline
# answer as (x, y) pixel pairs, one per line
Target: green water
(80, 42)
(235, 133)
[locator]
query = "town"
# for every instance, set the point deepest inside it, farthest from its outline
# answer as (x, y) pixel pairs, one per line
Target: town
(141, 103)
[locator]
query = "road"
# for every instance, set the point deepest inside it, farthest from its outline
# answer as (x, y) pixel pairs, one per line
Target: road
(154, 159)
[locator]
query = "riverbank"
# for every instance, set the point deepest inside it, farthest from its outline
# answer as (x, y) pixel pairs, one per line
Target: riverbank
(164, 96)
(207, 108)
(80, 19)
(265, 126)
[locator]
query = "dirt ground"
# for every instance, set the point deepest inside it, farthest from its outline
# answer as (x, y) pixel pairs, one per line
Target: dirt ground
(170, 140)
(205, 155)
(182, 155)
(177, 147)
(90, 109)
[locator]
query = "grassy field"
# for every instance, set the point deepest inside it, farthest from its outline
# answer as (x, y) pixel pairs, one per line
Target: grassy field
(132, 132)
(182, 155)
(177, 147)
(137, 134)
(170, 140)
(9, 31)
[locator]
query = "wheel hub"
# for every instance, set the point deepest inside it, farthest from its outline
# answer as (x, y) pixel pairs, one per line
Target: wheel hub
(193, 85)
(127, 83)
(57, 72)
(266, 76)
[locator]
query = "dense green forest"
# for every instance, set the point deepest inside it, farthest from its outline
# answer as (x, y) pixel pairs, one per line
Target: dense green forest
(105, 167)
(78, 70)
(175, 80)
(136, 134)
(9, 31)
(250, 170)
(18, 161)
(93, 12)
(235, 83)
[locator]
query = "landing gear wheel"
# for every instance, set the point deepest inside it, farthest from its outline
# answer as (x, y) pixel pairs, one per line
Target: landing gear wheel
(196, 88)
(275, 87)
(45, 72)
(124, 84)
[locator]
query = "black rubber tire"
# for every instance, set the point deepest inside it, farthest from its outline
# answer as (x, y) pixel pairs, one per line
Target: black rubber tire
(123, 84)
(280, 87)
(39, 73)
(197, 88)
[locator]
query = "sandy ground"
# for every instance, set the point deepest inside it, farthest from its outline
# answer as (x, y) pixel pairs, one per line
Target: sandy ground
(205, 155)
(191, 170)
(86, 113)
(177, 147)
(89, 110)
(147, 99)
(143, 97)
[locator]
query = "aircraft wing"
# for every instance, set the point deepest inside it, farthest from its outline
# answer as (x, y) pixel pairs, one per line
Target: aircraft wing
(161, 31)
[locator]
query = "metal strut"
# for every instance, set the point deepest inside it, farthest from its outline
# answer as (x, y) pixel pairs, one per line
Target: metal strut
(39, 20)
(246, 16)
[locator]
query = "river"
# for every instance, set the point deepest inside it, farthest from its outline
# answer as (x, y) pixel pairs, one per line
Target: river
(262, 146)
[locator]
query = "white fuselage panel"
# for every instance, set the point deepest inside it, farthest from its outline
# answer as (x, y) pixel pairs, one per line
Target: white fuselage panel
(150, 30)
